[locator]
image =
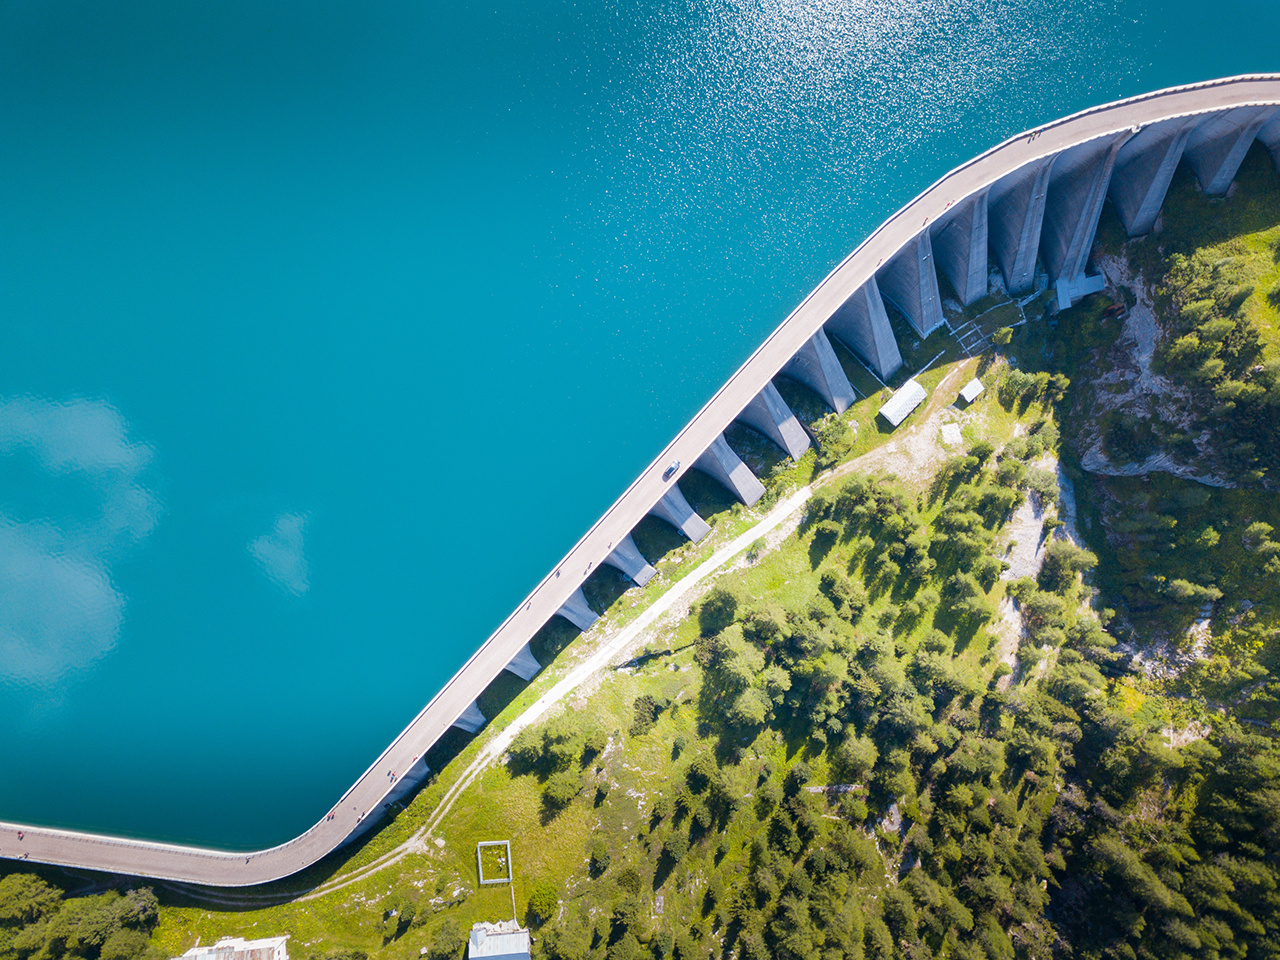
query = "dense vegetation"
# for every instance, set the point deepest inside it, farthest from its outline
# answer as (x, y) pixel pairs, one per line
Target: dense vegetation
(958, 819)
(38, 923)
(1177, 552)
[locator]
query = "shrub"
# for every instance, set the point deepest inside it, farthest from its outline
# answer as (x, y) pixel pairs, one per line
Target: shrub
(676, 846)
(448, 940)
(600, 858)
(835, 441)
(1042, 483)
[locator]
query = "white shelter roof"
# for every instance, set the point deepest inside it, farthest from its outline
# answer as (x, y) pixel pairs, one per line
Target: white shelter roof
(905, 399)
(238, 948)
(498, 941)
(971, 390)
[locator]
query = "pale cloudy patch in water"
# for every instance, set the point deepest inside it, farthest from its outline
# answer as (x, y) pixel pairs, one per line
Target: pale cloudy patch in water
(59, 610)
(281, 554)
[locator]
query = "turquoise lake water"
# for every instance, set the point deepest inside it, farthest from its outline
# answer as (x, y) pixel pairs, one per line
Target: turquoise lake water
(326, 328)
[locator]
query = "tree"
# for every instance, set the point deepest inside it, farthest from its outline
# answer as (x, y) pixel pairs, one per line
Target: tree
(858, 755)
(1062, 561)
(750, 709)
(982, 451)
(448, 940)
(544, 902)
(717, 611)
(124, 944)
(561, 788)
(600, 858)
(676, 846)
(1185, 591)
(646, 709)
(398, 912)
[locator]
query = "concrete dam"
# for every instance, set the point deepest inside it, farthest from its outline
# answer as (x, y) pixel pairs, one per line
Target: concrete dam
(1032, 203)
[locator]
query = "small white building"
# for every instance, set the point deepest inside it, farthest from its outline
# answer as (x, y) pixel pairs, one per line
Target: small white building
(907, 397)
(498, 941)
(238, 948)
(971, 390)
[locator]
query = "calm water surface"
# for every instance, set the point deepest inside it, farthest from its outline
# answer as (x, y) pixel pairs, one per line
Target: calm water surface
(326, 328)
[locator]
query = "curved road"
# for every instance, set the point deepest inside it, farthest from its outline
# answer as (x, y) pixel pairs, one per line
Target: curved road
(367, 795)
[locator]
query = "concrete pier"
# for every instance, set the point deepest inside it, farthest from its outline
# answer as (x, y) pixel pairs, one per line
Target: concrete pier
(1144, 169)
(577, 611)
(723, 465)
(524, 664)
(960, 248)
(861, 324)
(626, 557)
(1076, 193)
(818, 369)
(675, 509)
(769, 415)
(471, 719)
(910, 283)
(1217, 147)
(1270, 136)
(1016, 212)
